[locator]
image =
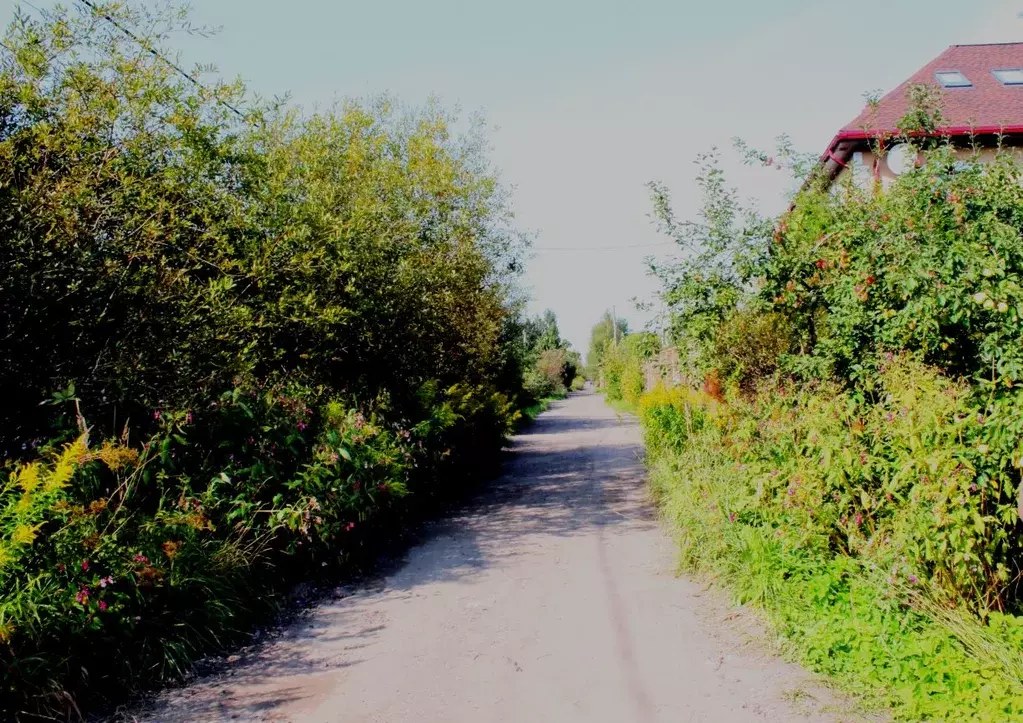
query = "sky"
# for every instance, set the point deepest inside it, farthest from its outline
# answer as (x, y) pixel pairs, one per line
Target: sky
(588, 100)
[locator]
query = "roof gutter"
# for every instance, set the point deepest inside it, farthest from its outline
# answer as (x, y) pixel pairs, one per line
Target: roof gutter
(834, 158)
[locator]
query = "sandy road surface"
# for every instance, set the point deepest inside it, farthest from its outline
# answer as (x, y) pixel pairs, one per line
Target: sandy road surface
(550, 598)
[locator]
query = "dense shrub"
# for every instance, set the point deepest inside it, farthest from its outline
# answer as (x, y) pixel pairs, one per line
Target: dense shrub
(853, 462)
(265, 342)
(621, 366)
(549, 363)
(556, 368)
(749, 346)
(541, 386)
(852, 523)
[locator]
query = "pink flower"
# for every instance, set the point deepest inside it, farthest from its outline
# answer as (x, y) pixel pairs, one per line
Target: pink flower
(142, 558)
(102, 605)
(188, 418)
(156, 414)
(85, 565)
(301, 426)
(731, 517)
(913, 579)
(858, 519)
(108, 580)
(82, 598)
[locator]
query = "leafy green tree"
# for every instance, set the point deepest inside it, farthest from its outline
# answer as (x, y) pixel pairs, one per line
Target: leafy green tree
(602, 337)
(266, 338)
(720, 256)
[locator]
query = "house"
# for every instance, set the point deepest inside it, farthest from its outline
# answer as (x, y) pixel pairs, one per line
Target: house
(981, 89)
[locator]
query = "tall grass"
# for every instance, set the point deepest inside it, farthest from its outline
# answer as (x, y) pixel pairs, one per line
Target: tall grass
(753, 507)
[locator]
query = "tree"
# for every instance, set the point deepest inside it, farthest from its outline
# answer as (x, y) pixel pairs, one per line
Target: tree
(602, 336)
(720, 254)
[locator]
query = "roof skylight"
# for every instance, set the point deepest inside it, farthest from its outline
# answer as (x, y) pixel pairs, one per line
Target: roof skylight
(1009, 76)
(953, 79)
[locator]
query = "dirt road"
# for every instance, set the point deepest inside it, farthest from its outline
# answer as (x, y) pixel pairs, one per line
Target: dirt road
(550, 598)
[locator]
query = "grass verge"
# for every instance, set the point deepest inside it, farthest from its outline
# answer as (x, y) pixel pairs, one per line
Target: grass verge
(835, 615)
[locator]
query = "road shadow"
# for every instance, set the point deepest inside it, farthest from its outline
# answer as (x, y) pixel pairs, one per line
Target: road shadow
(568, 474)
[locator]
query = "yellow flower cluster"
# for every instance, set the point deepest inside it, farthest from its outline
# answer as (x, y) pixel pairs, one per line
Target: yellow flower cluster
(37, 485)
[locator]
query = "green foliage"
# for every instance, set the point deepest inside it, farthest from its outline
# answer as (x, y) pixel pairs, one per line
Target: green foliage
(622, 366)
(822, 511)
(931, 266)
(548, 364)
(602, 337)
(720, 255)
(578, 384)
(289, 334)
(859, 475)
(748, 346)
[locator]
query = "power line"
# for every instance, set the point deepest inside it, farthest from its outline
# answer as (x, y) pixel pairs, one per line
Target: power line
(602, 248)
(146, 46)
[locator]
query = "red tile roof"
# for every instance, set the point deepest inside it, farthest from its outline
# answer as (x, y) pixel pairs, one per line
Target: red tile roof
(988, 106)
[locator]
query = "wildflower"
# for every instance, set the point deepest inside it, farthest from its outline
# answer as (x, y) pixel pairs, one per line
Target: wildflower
(982, 448)
(301, 426)
(25, 534)
(170, 549)
(890, 417)
(188, 418)
(156, 414)
(858, 520)
(142, 558)
(28, 476)
(108, 580)
(102, 606)
(731, 517)
(85, 565)
(913, 579)
(82, 598)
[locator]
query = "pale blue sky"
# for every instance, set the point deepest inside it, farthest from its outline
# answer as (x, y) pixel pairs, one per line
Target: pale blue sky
(589, 99)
